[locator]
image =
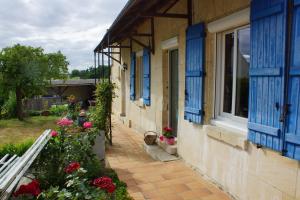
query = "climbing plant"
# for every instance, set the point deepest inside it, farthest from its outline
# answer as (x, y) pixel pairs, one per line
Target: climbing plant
(105, 92)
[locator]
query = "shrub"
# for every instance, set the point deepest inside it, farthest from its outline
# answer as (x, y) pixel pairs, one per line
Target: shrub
(34, 113)
(9, 108)
(58, 110)
(18, 149)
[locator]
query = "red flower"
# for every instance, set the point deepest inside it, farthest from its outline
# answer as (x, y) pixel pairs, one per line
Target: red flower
(104, 183)
(54, 133)
(33, 188)
(72, 167)
(87, 125)
(64, 122)
(161, 138)
(168, 129)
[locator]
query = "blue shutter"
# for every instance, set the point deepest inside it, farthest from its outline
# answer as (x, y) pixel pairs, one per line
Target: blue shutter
(194, 73)
(147, 76)
(267, 67)
(132, 76)
(292, 136)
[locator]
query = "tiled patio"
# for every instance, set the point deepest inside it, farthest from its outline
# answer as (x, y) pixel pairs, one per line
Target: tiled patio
(153, 180)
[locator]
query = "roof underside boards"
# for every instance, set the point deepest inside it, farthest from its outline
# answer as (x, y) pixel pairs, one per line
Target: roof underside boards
(133, 14)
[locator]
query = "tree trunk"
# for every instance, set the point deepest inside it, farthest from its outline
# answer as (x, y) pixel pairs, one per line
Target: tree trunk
(19, 103)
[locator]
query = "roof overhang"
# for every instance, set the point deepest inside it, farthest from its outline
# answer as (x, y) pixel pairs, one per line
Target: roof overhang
(135, 13)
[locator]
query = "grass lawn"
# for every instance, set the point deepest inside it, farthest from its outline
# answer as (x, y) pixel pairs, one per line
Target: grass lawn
(15, 131)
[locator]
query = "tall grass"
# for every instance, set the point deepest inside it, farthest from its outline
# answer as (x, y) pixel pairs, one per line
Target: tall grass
(18, 149)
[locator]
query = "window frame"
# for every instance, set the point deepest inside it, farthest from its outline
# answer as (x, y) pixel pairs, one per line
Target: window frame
(224, 117)
(139, 76)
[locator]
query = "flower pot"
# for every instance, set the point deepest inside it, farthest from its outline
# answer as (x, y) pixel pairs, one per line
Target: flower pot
(99, 147)
(170, 141)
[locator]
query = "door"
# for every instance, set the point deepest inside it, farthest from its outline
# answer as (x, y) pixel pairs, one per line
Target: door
(173, 66)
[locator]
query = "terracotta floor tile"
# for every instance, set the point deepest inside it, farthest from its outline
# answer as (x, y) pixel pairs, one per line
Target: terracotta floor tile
(148, 179)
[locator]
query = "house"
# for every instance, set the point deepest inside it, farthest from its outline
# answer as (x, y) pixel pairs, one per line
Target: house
(59, 90)
(225, 76)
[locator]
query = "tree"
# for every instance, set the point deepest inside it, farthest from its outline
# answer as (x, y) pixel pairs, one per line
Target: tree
(89, 73)
(57, 66)
(27, 70)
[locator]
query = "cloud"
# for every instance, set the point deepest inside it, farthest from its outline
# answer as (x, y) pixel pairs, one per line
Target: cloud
(74, 27)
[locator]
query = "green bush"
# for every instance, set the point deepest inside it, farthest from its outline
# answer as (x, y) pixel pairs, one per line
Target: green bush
(18, 149)
(34, 113)
(9, 108)
(58, 110)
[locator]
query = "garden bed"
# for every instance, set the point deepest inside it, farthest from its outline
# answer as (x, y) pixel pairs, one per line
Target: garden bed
(67, 168)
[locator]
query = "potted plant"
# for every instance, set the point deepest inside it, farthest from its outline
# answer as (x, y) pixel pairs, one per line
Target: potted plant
(169, 138)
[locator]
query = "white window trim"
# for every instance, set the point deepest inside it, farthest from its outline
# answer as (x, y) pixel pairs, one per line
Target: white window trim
(234, 20)
(222, 119)
(169, 44)
(139, 53)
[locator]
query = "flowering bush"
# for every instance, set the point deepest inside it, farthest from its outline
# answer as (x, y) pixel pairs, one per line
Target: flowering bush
(54, 133)
(104, 183)
(72, 167)
(33, 188)
(68, 169)
(87, 125)
(64, 122)
(167, 132)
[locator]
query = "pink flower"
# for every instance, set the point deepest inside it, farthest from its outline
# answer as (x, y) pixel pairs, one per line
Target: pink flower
(87, 125)
(54, 133)
(64, 122)
(32, 188)
(104, 183)
(168, 129)
(72, 167)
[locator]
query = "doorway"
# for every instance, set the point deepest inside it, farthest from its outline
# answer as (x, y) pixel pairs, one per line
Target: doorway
(174, 94)
(123, 94)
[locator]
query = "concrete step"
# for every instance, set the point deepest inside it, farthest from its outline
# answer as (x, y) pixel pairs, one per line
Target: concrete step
(157, 153)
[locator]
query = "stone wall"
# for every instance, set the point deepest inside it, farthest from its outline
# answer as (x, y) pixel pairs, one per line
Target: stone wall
(223, 156)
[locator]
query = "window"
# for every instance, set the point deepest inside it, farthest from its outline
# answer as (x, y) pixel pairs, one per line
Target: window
(233, 53)
(139, 75)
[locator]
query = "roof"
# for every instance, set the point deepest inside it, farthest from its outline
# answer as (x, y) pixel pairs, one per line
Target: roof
(72, 82)
(134, 13)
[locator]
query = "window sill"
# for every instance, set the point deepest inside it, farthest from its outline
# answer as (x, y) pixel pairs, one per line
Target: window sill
(231, 125)
(140, 103)
(228, 134)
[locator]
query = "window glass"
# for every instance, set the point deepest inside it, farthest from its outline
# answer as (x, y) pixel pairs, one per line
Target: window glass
(228, 72)
(242, 77)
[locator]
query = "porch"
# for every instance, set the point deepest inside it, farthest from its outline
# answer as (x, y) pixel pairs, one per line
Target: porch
(150, 179)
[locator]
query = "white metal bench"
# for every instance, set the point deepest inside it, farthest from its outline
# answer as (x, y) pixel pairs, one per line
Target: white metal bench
(13, 168)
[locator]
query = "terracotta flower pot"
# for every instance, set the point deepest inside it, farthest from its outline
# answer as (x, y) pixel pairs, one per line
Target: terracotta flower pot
(170, 141)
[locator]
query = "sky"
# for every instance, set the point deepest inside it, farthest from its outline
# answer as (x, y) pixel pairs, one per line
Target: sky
(74, 27)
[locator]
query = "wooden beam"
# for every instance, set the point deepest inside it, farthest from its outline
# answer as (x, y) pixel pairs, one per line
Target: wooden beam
(153, 36)
(190, 12)
(109, 52)
(105, 53)
(170, 6)
(167, 15)
(111, 46)
(142, 34)
(139, 43)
